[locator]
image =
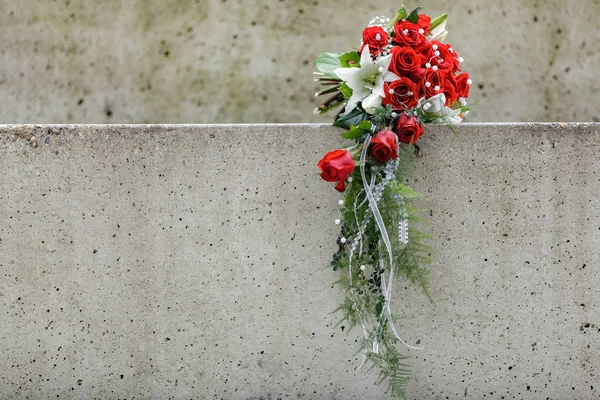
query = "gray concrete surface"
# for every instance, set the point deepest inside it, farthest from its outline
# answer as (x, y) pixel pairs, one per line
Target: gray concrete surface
(186, 262)
(239, 61)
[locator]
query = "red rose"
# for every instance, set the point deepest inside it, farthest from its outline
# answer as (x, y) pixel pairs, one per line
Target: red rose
(385, 146)
(405, 61)
(433, 83)
(377, 39)
(447, 59)
(426, 54)
(400, 94)
(407, 34)
(409, 129)
(418, 76)
(337, 166)
(454, 57)
(424, 22)
(450, 91)
(463, 85)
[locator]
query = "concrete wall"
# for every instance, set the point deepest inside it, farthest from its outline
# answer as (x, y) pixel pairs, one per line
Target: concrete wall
(215, 61)
(186, 262)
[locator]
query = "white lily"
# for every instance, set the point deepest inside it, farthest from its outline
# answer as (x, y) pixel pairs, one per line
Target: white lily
(371, 102)
(454, 117)
(368, 79)
(439, 33)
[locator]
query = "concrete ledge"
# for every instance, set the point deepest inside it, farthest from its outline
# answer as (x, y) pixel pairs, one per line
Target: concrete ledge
(185, 262)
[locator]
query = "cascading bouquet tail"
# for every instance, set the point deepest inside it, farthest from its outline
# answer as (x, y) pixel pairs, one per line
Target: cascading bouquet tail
(402, 76)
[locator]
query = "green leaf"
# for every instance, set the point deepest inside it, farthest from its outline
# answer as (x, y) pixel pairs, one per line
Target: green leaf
(400, 15)
(353, 133)
(346, 91)
(366, 125)
(451, 127)
(464, 108)
(414, 15)
(405, 191)
(354, 117)
(357, 131)
(332, 89)
(350, 56)
(438, 21)
(327, 63)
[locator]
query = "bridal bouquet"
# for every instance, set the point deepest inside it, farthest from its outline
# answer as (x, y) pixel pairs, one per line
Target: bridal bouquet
(402, 76)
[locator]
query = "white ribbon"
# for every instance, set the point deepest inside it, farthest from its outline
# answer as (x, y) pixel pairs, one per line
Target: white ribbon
(373, 205)
(373, 194)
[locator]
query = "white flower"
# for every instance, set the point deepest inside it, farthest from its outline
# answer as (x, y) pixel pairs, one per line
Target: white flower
(454, 119)
(434, 105)
(463, 102)
(368, 79)
(439, 33)
(453, 116)
(371, 102)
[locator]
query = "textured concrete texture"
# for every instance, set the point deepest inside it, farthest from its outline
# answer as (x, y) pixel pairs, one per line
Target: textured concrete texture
(239, 61)
(186, 262)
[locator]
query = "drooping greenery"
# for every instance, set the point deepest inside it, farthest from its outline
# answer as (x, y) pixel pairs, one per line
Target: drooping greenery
(363, 302)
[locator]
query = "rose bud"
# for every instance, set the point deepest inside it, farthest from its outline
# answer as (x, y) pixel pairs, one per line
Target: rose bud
(384, 146)
(409, 129)
(337, 166)
(377, 39)
(424, 23)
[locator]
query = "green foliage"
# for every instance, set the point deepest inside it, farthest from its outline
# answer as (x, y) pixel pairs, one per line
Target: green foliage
(405, 191)
(350, 59)
(354, 117)
(390, 363)
(438, 21)
(414, 15)
(463, 108)
(327, 63)
(346, 91)
(331, 89)
(382, 116)
(334, 102)
(357, 131)
(400, 15)
(364, 302)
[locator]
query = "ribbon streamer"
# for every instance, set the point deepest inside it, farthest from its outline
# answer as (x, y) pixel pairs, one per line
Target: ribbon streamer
(373, 193)
(373, 206)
